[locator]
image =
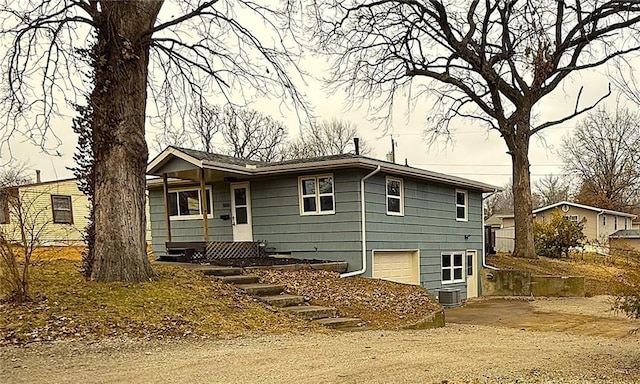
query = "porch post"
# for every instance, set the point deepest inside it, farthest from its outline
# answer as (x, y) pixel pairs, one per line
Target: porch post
(203, 206)
(165, 190)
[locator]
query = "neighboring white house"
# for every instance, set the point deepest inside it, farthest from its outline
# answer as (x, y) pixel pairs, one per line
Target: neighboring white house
(599, 224)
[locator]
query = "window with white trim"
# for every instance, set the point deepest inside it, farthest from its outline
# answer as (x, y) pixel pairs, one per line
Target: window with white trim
(615, 223)
(62, 212)
(625, 223)
(395, 197)
(452, 267)
(316, 195)
(462, 204)
(604, 220)
(185, 204)
(573, 218)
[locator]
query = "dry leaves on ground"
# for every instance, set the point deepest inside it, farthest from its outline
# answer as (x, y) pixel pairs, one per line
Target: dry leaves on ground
(379, 303)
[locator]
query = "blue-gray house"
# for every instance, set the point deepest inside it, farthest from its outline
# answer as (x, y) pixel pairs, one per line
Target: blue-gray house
(386, 220)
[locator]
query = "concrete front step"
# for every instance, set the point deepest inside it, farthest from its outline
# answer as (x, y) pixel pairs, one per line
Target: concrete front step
(212, 270)
(239, 279)
(338, 322)
(283, 300)
(311, 312)
(259, 289)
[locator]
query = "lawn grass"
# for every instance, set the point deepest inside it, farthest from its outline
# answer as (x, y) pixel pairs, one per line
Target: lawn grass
(178, 303)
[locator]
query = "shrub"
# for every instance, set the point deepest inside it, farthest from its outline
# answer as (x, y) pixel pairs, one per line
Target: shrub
(557, 237)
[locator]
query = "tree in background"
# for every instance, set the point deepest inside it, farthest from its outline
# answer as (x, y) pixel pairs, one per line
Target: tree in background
(324, 138)
(603, 152)
(500, 203)
(550, 189)
(492, 61)
(249, 134)
(198, 131)
(24, 220)
(201, 48)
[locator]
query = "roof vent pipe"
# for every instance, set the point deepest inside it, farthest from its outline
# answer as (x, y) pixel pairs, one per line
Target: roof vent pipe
(37, 176)
(356, 144)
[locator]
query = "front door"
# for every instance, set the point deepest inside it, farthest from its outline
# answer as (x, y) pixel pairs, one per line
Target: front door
(241, 212)
(472, 274)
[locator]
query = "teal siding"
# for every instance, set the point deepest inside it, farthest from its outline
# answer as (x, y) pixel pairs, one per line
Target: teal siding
(277, 219)
(429, 225)
(190, 230)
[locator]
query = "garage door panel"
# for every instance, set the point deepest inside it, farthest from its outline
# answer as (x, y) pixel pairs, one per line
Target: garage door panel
(398, 266)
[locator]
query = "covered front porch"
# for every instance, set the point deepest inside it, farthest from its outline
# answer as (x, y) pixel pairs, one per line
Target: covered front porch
(206, 208)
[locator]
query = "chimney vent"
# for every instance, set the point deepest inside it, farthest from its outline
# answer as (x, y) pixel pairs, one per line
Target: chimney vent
(356, 144)
(38, 176)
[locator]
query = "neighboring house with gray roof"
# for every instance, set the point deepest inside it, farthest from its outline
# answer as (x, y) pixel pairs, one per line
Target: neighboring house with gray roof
(386, 220)
(599, 223)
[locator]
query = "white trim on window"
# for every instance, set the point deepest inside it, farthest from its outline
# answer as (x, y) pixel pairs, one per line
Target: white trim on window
(316, 196)
(452, 264)
(191, 217)
(464, 206)
(399, 197)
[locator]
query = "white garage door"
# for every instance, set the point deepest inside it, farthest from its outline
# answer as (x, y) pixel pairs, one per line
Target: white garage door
(398, 266)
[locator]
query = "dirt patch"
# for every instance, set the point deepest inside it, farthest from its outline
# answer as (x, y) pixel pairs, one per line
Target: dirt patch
(578, 316)
(379, 303)
(453, 354)
(264, 261)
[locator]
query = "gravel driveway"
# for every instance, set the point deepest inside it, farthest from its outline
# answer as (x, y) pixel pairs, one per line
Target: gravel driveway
(455, 353)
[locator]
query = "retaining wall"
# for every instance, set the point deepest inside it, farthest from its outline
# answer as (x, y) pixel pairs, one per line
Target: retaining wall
(522, 283)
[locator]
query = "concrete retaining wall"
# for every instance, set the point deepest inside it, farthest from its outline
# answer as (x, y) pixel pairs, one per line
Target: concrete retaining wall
(522, 283)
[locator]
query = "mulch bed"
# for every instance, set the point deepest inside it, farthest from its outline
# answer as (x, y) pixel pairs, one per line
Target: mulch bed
(264, 261)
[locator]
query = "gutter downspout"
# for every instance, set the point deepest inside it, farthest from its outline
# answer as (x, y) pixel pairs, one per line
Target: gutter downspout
(363, 227)
(484, 251)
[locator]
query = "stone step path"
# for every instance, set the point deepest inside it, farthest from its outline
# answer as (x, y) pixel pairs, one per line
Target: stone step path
(273, 294)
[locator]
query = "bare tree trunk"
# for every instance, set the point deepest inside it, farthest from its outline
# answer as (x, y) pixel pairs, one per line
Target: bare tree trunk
(522, 204)
(120, 150)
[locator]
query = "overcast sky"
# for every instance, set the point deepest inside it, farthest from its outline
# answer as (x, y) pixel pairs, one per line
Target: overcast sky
(474, 152)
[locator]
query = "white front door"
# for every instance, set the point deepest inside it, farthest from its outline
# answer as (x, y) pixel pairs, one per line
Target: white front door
(241, 212)
(472, 274)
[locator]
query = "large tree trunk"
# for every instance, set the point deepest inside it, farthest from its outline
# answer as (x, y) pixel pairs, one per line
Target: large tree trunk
(522, 204)
(120, 149)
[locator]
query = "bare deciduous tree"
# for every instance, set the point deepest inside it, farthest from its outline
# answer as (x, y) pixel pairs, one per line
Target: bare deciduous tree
(249, 134)
(501, 202)
(328, 137)
(603, 153)
(492, 61)
(551, 189)
(195, 49)
(23, 222)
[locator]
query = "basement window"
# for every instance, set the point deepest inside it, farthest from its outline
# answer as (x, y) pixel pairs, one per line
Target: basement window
(452, 267)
